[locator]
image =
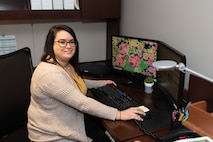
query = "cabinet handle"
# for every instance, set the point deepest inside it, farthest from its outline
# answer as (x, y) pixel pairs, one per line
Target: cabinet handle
(77, 4)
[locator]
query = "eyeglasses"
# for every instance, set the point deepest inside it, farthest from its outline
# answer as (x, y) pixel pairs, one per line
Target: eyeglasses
(63, 43)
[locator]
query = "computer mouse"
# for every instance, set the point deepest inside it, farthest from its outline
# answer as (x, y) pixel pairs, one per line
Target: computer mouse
(146, 117)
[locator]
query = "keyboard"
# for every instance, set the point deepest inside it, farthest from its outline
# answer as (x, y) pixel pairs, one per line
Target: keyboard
(112, 96)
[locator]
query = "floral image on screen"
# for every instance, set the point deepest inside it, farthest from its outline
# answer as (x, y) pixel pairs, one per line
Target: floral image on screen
(134, 55)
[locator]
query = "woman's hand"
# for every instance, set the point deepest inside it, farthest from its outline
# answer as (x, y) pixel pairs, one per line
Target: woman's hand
(130, 113)
(110, 82)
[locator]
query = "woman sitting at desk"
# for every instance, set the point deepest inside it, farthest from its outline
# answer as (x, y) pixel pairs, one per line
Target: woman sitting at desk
(58, 94)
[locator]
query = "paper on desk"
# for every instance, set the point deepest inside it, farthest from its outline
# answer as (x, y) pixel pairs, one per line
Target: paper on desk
(198, 139)
(145, 109)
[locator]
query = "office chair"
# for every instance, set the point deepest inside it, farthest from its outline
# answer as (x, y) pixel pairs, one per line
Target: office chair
(15, 74)
(200, 89)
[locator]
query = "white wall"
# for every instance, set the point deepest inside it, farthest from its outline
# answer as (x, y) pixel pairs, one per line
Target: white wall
(186, 25)
(91, 37)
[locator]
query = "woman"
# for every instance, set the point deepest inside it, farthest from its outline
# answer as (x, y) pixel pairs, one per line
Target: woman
(58, 93)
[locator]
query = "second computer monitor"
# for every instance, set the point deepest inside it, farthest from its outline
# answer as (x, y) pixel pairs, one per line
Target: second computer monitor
(171, 82)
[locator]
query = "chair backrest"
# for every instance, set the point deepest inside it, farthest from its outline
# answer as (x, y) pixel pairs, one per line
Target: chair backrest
(200, 89)
(15, 74)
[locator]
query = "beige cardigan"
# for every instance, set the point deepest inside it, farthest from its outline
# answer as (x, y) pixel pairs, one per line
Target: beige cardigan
(56, 109)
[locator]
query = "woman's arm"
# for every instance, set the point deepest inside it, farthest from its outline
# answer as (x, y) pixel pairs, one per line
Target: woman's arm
(97, 83)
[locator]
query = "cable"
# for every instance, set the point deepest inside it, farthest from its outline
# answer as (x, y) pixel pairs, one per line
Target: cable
(147, 132)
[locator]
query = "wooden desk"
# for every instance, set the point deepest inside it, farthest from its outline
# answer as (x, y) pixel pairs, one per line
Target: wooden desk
(128, 131)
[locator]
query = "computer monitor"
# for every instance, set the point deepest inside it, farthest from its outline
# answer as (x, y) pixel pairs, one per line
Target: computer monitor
(171, 82)
(134, 57)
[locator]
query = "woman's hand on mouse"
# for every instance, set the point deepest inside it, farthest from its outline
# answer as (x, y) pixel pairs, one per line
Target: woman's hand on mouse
(110, 82)
(130, 113)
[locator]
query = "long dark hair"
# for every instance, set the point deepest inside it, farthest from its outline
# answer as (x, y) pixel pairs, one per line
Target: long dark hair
(48, 47)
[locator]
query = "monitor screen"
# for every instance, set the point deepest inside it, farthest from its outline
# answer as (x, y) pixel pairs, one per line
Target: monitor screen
(134, 56)
(171, 82)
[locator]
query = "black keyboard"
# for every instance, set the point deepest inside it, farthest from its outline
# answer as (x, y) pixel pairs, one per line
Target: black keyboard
(112, 96)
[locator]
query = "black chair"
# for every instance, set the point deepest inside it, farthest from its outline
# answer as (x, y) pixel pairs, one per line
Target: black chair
(16, 69)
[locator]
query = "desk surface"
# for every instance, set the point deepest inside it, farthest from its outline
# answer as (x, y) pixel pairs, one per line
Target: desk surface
(126, 131)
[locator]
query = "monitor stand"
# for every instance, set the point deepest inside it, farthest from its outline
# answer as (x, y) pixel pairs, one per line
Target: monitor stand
(163, 104)
(133, 82)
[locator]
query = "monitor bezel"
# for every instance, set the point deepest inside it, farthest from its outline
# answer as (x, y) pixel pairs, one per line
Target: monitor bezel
(124, 72)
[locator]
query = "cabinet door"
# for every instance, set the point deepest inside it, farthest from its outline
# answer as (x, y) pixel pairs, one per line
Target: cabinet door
(14, 5)
(100, 9)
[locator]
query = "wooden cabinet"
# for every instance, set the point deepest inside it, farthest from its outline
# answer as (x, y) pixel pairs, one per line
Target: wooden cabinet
(90, 10)
(39, 16)
(100, 9)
